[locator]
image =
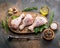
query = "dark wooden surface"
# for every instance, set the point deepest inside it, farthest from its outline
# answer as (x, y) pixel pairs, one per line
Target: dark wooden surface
(54, 5)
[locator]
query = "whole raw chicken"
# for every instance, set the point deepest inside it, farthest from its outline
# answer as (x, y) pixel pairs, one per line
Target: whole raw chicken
(28, 20)
(15, 22)
(40, 20)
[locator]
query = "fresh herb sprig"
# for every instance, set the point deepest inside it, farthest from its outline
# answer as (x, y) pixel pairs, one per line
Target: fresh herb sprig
(5, 24)
(40, 28)
(51, 19)
(30, 8)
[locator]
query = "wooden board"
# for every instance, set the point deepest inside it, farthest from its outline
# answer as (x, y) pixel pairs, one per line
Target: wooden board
(25, 30)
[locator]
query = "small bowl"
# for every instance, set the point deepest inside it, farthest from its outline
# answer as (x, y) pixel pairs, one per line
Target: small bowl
(48, 34)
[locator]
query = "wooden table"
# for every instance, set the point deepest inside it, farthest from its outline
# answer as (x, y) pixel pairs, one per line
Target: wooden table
(54, 5)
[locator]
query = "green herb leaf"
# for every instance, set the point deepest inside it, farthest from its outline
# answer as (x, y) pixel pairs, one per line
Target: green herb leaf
(30, 9)
(14, 17)
(36, 30)
(40, 28)
(3, 23)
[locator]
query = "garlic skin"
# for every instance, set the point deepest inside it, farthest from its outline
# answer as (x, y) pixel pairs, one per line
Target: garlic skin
(54, 26)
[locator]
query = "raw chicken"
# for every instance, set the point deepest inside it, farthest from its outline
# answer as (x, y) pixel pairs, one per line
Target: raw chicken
(28, 20)
(40, 20)
(15, 22)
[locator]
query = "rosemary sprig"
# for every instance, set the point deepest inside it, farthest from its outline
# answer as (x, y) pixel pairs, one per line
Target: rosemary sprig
(51, 19)
(30, 8)
(5, 24)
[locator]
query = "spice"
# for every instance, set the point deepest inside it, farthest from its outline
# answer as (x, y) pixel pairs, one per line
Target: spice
(54, 26)
(48, 34)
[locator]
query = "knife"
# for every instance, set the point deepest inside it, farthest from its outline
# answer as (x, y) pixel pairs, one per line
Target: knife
(10, 37)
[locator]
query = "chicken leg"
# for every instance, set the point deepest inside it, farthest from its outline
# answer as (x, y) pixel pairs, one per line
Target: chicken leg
(28, 20)
(15, 22)
(38, 22)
